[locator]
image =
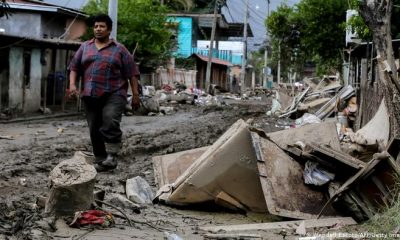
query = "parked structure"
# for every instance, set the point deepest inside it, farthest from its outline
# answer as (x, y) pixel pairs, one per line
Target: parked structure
(36, 42)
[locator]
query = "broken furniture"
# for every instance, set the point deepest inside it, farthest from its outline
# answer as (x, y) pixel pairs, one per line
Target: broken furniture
(372, 189)
(281, 178)
(167, 168)
(231, 174)
(225, 173)
(330, 158)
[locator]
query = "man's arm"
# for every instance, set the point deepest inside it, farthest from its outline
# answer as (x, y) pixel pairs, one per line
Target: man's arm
(72, 82)
(135, 92)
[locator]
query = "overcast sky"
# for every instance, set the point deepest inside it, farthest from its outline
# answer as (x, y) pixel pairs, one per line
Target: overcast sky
(257, 15)
(77, 4)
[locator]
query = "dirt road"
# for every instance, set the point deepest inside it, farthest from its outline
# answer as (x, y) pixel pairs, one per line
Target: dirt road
(38, 146)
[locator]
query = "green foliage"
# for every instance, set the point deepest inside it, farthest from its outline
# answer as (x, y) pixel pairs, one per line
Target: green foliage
(312, 29)
(180, 5)
(141, 25)
(322, 34)
(284, 27)
(362, 29)
(358, 25)
(185, 63)
(387, 221)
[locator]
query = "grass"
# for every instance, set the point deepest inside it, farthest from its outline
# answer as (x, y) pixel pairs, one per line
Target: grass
(388, 221)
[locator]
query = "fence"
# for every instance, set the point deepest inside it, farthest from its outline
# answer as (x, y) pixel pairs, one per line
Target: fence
(164, 76)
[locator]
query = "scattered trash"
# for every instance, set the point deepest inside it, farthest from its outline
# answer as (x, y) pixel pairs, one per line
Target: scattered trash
(139, 191)
(171, 236)
(307, 118)
(314, 175)
(92, 217)
(122, 202)
(22, 181)
(276, 106)
(7, 137)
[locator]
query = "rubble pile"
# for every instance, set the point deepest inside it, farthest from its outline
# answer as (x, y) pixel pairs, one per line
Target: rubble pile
(316, 167)
(162, 101)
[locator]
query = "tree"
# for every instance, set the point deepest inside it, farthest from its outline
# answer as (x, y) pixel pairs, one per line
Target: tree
(377, 15)
(284, 29)
(312, 30)
(141, 27)
(179, 5)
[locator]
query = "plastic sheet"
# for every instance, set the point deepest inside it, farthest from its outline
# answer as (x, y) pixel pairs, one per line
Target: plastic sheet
(315, 175)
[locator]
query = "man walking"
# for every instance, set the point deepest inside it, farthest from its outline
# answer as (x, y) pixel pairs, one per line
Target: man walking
(106, 67)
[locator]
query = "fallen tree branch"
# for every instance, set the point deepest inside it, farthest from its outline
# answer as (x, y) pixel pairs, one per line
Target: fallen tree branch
(116, 208)
(128, 219)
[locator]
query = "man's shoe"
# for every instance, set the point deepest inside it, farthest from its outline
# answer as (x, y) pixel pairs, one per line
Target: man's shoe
(109, 163)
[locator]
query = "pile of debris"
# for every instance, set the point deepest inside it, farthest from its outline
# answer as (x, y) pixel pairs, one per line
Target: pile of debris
(158, 102)
(320, 99)
(305, 172)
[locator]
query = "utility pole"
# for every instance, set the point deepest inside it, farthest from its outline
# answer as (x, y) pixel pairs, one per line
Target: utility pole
(244, 59)
(279, 63)
(113, 13)
(266, 51)
(210, 48)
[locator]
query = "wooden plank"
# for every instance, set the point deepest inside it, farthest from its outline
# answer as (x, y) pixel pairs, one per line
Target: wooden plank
(336, 155)
(310, 223)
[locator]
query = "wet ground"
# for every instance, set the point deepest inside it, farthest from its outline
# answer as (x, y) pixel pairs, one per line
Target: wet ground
(37, 147)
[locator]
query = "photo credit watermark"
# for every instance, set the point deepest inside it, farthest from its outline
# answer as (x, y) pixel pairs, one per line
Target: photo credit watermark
(346, 235)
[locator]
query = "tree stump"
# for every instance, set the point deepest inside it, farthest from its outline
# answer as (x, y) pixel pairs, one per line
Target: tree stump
(72, 184)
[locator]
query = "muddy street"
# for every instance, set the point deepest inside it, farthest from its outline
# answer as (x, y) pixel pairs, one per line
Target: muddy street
(35, 148)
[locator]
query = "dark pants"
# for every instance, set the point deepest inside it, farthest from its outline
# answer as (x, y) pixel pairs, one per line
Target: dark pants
(104, 115)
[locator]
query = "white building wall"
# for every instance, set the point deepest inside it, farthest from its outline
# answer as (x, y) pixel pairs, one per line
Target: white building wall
(15, 92)
(33, 91)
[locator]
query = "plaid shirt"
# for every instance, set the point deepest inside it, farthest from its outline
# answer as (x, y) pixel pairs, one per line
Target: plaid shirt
(107, 70)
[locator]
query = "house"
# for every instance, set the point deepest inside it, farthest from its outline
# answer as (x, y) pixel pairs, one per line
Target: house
(37, 43)
(361, 70)
(193, 32)
(219, 71)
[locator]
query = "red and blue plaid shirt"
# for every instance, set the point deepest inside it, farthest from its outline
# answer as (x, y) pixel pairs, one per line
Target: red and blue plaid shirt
(107, 70)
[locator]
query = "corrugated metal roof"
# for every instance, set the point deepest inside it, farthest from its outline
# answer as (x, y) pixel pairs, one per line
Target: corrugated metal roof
(213, 60)
(12, 40)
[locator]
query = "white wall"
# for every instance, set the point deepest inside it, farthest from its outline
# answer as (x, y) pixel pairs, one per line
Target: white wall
(235, 46)
(22, 24)
(33, 92)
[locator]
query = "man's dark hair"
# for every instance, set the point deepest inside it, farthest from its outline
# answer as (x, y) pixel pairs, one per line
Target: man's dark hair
(103, 18)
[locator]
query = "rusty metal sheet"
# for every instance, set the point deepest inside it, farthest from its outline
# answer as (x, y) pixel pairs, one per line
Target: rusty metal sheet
(167, 168)
(282, 182)
(322, 133)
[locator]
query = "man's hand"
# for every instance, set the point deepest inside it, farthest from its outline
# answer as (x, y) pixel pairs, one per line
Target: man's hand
(135, 102)
(73, 92)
